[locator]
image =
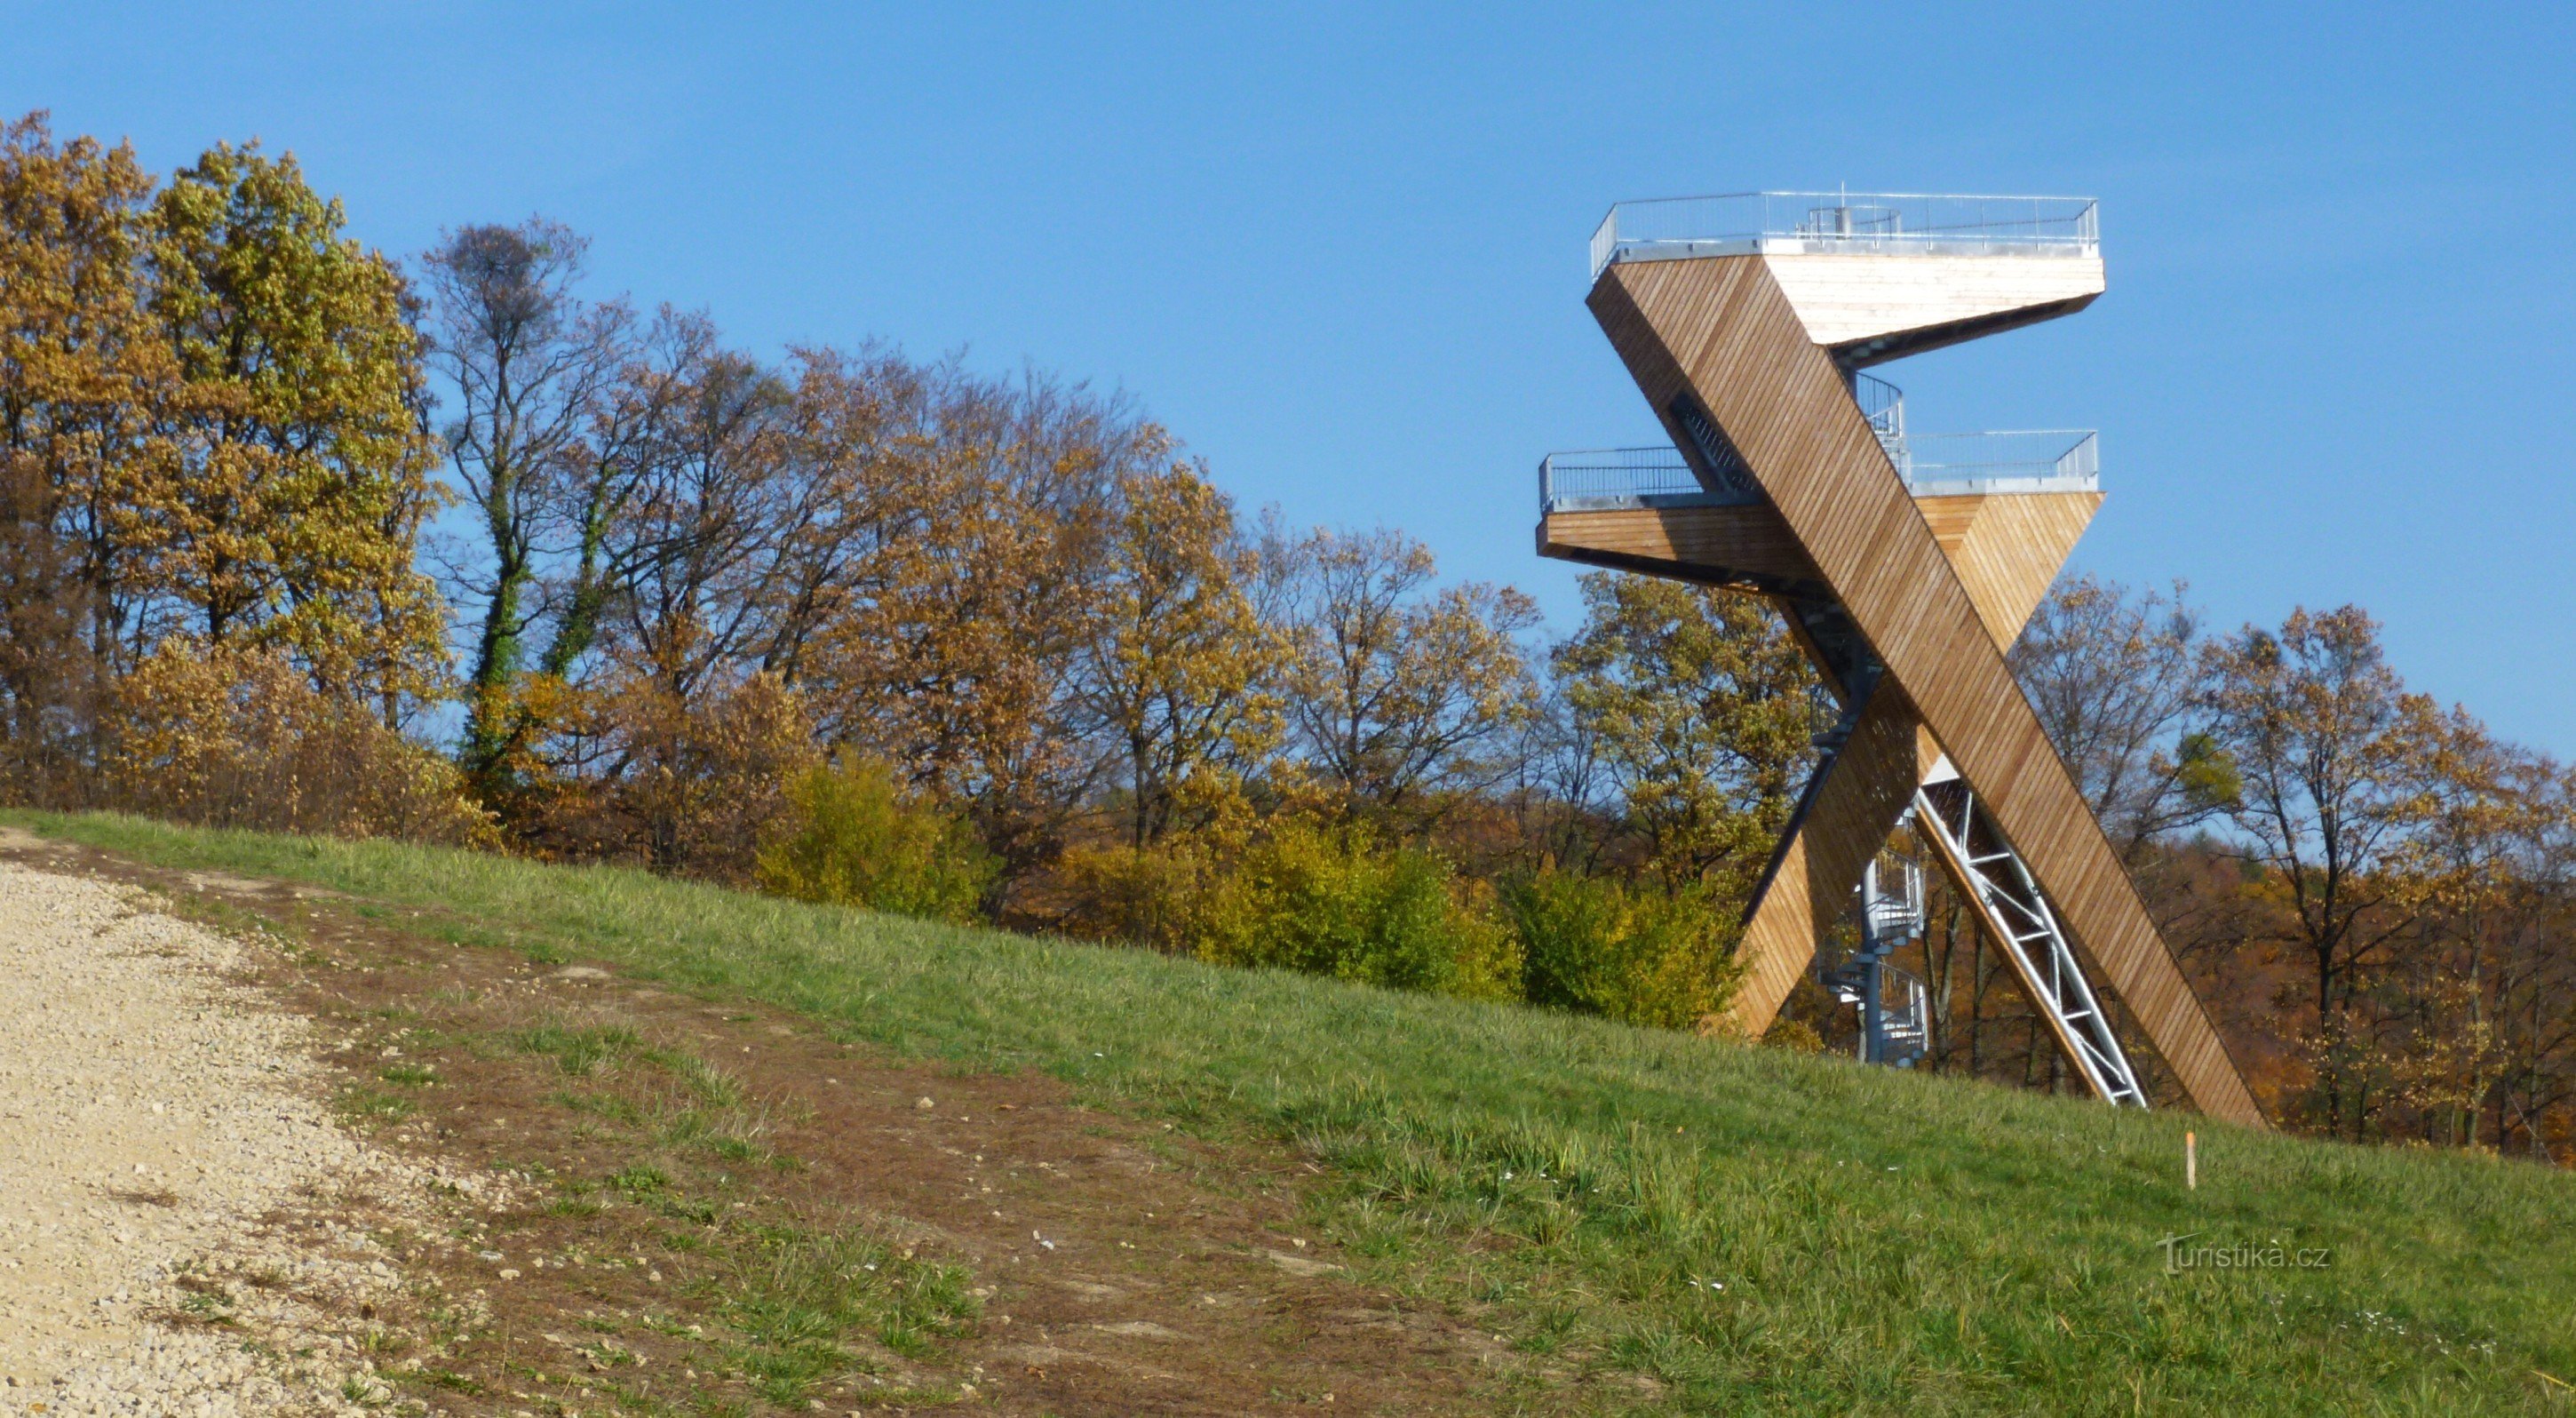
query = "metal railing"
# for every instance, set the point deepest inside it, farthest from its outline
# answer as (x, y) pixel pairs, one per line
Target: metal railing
(1593, 479)
(1737, 223)
(1932, 465)
(2028, 460)
(1882, 403)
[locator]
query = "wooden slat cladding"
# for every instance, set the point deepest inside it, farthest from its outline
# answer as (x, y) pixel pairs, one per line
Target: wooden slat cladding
(1746, 540)
(2007, 548)
(1855, 808)
(1720, 329)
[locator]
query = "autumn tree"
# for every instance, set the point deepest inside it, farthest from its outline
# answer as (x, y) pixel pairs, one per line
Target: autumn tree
(958, 657)
(1565, 808)
(2469, 1015)
(2336, 761)
(2343, 777)
(529, 362)
(1402, 693)
(84, 374)
(698, 541)
(855, 426)
(2115, 676)
(1703, 710)
(1178, 670)
(655, 717)
(289, 508)
(212, 485)
(2526, 976)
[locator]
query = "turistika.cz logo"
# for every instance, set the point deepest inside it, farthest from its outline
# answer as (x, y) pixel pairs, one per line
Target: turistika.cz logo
(2180, 1255)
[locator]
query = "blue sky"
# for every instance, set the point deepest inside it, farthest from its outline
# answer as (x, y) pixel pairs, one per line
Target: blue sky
(1340, 249)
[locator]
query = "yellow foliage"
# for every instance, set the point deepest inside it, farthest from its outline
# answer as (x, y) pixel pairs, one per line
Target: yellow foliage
(1636, 954)
(1178, 660)
(1795, 1035)
(237, 737)
(1336, 900)
(859, 839)
(1301, 893)
(1150, 896)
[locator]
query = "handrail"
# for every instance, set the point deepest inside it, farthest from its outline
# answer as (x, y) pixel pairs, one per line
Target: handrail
(1882, 222)
(1846, 195)
(1931, 464)
(1882, 403)
(1620, 477)
(2027, 460)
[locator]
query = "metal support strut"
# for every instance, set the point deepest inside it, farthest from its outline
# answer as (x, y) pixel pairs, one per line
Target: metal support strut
(2011, 908)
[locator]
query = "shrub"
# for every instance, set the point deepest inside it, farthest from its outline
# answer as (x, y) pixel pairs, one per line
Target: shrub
(705, 774)
(1157, 894)
(241, 738)
(860, 840)
(1795, 1035)
(1597, 946)
(1337, 901)
(1154, 896)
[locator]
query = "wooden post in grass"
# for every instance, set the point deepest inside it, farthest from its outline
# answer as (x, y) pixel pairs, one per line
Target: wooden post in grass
(2191, 1161)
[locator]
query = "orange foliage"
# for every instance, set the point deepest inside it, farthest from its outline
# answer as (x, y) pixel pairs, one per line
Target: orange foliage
(236, 737)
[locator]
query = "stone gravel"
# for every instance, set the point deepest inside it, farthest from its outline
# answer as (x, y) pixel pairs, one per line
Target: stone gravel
(185, 1227)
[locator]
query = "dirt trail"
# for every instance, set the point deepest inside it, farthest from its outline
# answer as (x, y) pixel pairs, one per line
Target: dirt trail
(460, 1227)
(155, 1120)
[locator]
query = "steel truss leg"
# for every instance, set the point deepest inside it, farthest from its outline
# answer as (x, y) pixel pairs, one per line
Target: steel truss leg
(2012, 909)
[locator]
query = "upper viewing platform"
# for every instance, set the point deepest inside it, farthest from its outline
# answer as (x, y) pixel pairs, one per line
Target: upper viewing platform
(1845, 223)
(1879, 275)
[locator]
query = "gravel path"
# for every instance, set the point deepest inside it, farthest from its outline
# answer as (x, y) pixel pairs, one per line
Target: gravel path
(176, 1199)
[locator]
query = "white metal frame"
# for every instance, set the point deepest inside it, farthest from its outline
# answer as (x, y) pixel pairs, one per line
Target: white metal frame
(2015, 912)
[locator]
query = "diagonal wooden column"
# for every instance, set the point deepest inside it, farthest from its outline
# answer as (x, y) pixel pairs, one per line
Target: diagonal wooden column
(1717, 332)
(1853, 806)
(2007, 548)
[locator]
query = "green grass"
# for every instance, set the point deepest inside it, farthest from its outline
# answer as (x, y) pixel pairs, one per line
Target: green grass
(1658, 1223)
(795, 1296)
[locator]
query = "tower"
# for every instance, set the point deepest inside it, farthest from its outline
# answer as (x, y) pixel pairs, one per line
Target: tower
(1905, 564)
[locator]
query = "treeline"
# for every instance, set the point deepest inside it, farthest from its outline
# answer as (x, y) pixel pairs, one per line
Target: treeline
(2376, 896)
(297, 538)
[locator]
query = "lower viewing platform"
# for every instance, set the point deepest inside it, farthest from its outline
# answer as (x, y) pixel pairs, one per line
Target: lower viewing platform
(1932, 465)
(2005, 507)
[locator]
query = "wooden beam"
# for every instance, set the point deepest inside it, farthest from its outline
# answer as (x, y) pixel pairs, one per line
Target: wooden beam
(2007, 548)
(1746, 540)
(1845, 821)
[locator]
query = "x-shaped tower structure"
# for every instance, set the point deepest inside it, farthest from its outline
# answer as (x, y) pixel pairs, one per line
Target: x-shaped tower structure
(1906, 564)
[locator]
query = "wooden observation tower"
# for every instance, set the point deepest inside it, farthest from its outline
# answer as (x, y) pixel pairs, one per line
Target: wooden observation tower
(1906, 563)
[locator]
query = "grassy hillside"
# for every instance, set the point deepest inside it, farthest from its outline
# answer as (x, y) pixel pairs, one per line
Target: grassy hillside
(1662, 1223)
